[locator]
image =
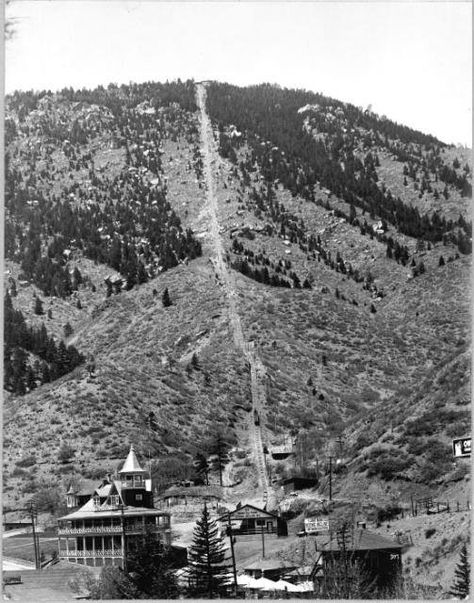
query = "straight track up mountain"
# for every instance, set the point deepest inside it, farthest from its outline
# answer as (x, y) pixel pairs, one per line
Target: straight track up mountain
(211, 157)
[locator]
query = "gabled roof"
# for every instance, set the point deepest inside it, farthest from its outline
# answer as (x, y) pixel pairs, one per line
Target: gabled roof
(263, 511)
(103, 490)
(131, 464)
(363, 540)
(87, 487)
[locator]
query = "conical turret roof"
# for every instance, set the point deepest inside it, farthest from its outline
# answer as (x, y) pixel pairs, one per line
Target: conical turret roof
(131, 464)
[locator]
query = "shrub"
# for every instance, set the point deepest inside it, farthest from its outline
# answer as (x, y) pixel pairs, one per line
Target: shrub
(48, 500)
(429, 532)
(94, 473)
(389, 464)
(363, 440)
(387, 513)
(66, 469)
(66, 452)
(27, 461)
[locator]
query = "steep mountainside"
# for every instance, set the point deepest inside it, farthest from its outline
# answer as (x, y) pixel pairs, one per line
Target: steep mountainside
(348, 238)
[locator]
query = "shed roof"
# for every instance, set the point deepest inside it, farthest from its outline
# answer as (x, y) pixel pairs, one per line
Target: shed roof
(269, 564)
(363, 540)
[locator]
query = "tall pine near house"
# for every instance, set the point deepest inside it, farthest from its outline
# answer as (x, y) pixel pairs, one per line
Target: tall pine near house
(150, 568)
(460, 588)
(208, 573)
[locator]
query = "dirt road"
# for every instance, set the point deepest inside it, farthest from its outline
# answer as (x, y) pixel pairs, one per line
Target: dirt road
(210, 157)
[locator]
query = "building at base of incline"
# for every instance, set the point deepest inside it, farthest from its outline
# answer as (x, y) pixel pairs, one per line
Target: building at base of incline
(119, 511)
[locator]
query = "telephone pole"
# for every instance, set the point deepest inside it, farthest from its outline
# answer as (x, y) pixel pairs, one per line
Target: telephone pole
(34, 514)
(330, 477)
(229, 530)
(263, 543)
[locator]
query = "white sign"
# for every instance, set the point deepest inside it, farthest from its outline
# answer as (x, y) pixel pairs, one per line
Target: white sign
(248, 512)
(461, 447)
(316, 525)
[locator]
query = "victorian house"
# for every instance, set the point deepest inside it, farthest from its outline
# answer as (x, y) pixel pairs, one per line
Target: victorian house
(103, 524)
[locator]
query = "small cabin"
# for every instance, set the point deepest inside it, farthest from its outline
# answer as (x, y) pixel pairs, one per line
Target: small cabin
(380, 558)
(249, 520)
(298, 483)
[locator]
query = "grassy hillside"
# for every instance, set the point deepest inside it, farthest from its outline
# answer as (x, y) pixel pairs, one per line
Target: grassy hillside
(143, 355)
(374, 349)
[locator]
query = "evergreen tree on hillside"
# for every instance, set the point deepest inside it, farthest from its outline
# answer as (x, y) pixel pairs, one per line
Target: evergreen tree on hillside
(460, 588)
(38, 306)
(208, 572)
(67, 330)
(142, 275)
(219, 450)
(202, 467)
(165, 298)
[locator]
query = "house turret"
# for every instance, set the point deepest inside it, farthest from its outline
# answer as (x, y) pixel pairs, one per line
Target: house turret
(71, 498)
(135, 482)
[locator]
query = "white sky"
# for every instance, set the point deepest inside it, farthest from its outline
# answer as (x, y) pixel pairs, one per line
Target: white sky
(411, 61)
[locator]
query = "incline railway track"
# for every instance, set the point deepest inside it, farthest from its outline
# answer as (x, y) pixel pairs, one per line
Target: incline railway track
(211, 157)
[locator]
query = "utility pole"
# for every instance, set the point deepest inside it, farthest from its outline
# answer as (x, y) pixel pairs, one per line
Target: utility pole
(263, 542)
(124, 548)
(34, 514)
(330, 477)
(229, 530)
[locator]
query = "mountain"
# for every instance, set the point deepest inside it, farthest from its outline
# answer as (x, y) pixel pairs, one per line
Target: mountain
(346, 239)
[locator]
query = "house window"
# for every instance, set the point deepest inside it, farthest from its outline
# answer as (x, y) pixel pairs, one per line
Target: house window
(260, 522)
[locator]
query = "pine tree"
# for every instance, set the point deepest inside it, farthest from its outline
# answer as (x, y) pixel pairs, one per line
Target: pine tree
(195, 362)
(219, 450)
(142, 275)
(149, 567)
(67, 330)
(441, 261)
(202, 467)
(460, 588)
(165, 299)
(90, 366)
(208, 571)
(38, 306)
